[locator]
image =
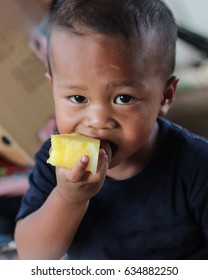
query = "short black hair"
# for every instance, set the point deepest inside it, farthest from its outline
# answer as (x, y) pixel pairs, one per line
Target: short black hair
(128, 18)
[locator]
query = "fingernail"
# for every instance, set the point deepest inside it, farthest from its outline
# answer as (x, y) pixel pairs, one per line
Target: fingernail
(85, 159)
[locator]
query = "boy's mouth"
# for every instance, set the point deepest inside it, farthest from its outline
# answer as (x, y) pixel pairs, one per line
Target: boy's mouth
(113, 148)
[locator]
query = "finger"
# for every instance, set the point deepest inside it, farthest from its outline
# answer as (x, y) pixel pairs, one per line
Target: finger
(106, 146)
(79, 170)
(103, 164)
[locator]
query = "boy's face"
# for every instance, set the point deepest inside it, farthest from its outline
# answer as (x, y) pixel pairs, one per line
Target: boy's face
(104, 89)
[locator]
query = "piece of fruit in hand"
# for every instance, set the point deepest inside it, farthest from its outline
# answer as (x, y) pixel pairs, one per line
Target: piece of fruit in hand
(67, 149)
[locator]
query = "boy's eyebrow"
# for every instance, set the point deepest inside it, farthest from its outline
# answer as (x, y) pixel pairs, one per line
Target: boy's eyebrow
(136, 84)
(114, 84)
(67, 86)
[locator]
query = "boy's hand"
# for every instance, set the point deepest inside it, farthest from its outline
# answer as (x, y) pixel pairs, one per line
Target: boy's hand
(78, 185)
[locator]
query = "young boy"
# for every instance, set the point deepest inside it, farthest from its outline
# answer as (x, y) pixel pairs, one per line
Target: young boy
(110, 65)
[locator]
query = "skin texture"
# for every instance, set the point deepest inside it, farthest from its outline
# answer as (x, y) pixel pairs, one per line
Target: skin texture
(105, 89)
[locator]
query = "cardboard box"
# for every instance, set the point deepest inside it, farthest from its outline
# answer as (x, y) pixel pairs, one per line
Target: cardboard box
(26, 98)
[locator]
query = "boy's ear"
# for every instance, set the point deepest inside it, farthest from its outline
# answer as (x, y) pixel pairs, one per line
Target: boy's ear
(168, 96)
(49, 78)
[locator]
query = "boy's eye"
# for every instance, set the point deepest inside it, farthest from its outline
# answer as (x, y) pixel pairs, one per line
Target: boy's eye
(124, 99)
(78, 99)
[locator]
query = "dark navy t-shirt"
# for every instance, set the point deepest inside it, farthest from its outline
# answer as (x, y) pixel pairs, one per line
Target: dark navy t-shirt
(161, 213)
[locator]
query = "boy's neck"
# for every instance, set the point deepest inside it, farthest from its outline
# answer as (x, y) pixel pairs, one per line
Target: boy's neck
(137, 162)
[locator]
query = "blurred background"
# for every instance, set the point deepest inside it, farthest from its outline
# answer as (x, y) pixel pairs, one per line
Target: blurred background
(26, 107)
(191, 106)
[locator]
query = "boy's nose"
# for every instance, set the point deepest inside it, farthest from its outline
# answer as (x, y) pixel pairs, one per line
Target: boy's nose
(101, 118)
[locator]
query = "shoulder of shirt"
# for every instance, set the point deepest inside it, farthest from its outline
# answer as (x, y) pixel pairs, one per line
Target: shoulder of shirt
(181, 131)
(185, 139)
(43, 152)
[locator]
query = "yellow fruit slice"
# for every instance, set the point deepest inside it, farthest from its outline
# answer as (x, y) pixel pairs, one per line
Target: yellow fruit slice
(67, 149)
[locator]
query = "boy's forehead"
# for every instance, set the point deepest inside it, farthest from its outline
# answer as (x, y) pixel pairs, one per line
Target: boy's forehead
(142, 50)
(141, 44)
